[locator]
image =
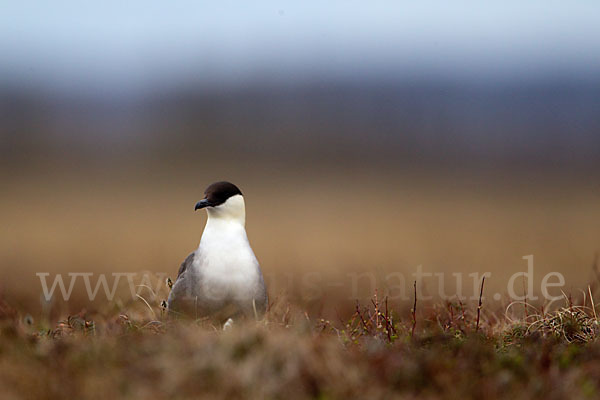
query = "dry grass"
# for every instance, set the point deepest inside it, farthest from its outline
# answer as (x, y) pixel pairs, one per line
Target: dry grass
(378, 353)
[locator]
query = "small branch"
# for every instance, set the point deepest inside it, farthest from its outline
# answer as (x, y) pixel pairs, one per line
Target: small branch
(414, 312)
(376, 310)
(387, 321)
(462, 311)
(570, 302)
(480, 302)
(525, 294)
(361, 317)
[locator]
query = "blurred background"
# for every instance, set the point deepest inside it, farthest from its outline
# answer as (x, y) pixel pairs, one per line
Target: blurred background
(366, 136)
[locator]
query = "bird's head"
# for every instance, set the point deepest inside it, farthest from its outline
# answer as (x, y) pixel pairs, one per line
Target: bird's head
(223, 200)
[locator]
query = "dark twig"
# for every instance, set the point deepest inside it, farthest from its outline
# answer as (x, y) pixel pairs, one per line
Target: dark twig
(451, 314)
(525, 294)
(387, 321)
(376, 305)
(361, 317)
(570, 302)
(414, 313)
(462, 311)
(479, 306)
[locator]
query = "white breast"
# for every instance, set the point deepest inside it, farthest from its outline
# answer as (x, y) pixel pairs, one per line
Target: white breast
(226, 263)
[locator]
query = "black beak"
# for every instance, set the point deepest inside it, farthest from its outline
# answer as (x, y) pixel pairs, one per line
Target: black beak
(201, 204)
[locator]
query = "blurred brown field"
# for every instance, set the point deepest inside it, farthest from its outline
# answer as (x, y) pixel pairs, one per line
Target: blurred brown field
(313, 229)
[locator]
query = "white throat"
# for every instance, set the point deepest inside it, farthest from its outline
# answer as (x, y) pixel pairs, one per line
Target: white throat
(225, 226)
(233, 210)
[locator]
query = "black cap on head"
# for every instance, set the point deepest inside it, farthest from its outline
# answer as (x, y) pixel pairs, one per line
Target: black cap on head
(217, 194)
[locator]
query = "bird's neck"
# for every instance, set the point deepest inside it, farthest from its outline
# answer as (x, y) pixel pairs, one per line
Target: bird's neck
(223, 231)
(225, 223)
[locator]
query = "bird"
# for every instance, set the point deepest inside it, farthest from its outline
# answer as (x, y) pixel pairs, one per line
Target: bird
(220, 280)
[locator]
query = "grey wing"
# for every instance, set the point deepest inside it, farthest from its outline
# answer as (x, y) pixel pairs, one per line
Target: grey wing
(182, 286)
(187, 262)
(262, 301)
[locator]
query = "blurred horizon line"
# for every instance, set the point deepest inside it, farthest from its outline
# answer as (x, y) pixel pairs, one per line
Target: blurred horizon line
(543, 122)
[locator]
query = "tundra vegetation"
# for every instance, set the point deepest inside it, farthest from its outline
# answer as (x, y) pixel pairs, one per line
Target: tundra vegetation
(435, 350)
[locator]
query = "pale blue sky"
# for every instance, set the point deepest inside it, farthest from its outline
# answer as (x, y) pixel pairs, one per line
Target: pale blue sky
(135, 44)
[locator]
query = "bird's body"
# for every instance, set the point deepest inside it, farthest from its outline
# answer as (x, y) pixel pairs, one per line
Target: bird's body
(222, 278)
